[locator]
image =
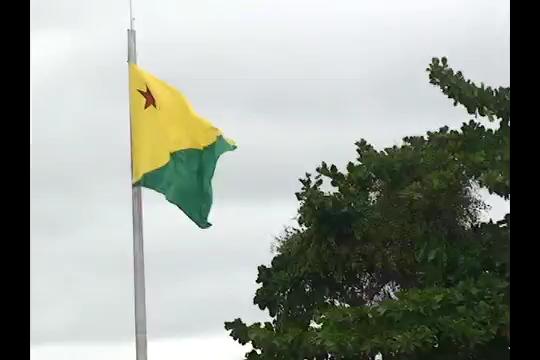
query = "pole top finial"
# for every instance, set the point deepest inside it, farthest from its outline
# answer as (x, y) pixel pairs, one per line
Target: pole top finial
(131, 18)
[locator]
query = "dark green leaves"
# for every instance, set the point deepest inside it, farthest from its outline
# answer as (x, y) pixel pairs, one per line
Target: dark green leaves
(395, 258)
(494, 103)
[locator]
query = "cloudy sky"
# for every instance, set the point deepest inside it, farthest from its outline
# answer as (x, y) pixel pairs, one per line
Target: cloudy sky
(294, 82)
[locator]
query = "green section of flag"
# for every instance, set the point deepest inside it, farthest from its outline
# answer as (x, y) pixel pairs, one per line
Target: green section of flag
(186, 180)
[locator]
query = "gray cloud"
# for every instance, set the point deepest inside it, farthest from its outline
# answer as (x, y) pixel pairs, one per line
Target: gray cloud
(294, 83)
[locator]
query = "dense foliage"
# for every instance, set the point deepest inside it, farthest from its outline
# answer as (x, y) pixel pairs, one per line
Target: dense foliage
(395, 258)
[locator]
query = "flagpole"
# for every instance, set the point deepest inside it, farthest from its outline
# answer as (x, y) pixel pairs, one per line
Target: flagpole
(138, 248)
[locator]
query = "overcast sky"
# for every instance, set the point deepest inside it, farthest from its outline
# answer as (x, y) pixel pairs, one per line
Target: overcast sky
(294, 82)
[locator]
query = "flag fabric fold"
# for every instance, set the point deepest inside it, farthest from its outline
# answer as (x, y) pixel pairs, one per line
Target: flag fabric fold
(174, 150)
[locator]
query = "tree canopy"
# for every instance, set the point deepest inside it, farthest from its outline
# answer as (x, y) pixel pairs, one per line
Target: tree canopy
(394, 257)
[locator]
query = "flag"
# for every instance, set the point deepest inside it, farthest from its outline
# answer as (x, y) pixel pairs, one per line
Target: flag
(174, 150)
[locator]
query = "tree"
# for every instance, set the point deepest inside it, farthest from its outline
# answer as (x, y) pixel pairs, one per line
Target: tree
(395, 258)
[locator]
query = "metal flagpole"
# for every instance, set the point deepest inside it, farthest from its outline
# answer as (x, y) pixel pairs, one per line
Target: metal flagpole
(138, 248)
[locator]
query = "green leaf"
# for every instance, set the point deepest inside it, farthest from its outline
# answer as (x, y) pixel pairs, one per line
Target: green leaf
(431, 255)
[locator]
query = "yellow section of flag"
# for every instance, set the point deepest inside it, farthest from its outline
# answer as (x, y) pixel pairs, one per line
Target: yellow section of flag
(163, 122)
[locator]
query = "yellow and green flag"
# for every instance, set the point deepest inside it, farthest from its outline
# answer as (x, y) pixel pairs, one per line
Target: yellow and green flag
(175, 151)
